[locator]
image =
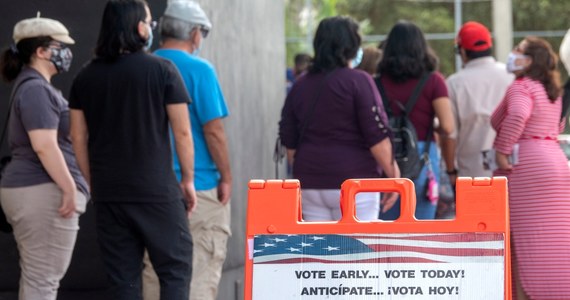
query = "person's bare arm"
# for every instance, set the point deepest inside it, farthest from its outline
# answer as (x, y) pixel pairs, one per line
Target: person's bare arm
(79, 137)
(44, 143)
(180, 123)
(215, 136)
(290, 156)
(442, 108)
(448, 145)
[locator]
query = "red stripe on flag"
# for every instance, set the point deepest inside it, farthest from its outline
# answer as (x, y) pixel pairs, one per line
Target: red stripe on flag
(438, 251)
(370, 260)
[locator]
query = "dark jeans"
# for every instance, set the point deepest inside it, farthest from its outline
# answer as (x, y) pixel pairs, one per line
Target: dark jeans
(125, 229)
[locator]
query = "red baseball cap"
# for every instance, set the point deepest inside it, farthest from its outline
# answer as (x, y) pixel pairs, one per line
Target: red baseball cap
(474, 36)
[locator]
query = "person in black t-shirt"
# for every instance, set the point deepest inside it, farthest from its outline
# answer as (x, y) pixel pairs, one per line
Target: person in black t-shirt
(122, 103)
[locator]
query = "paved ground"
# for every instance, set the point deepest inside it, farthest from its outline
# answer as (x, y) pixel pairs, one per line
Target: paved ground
(63, 295)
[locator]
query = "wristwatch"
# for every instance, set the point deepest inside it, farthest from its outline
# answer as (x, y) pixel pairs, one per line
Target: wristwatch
(452, 172)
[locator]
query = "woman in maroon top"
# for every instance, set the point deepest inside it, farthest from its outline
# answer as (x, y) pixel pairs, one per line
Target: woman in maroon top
(406, 58)
(334, 127)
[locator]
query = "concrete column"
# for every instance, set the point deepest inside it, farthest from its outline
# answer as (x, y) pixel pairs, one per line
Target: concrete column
(458, 22)
(247, 48)
(502, 28)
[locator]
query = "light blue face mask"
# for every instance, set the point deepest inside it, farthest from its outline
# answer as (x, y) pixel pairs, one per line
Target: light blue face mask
(196, 51)
(358, 59)
(148, 43)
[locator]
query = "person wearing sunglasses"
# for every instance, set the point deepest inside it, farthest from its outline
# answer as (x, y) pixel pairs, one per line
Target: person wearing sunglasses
(183, 29)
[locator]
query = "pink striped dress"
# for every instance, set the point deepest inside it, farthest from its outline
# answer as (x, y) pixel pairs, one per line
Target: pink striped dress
(539, 189)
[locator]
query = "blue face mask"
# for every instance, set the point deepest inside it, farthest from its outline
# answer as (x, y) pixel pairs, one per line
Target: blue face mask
(148, 43)
(358, 59)
(196, 51)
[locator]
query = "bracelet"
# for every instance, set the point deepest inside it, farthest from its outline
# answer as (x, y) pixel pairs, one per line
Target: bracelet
(452, 172)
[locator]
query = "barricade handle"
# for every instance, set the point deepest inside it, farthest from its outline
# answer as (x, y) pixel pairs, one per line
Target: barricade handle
(403, 186)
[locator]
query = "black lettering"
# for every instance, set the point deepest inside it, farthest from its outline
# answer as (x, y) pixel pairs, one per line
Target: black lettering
(310, 274)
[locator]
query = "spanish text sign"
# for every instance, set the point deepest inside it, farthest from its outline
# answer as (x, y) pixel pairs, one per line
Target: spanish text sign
(379, 266)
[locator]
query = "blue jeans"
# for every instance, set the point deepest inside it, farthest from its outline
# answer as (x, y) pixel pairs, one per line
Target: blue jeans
(425, 210)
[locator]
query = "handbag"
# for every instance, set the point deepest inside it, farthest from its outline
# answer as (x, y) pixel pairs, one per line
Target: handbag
(4, 225)
(280, 151)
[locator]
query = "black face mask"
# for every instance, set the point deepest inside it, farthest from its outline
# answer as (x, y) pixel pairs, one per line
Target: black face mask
(61, 58)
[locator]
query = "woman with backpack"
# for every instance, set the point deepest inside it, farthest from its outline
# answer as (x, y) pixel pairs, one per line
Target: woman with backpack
(409, 64)
(334, 127)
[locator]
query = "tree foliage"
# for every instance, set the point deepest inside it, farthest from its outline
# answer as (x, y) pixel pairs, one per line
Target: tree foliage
(378, 16)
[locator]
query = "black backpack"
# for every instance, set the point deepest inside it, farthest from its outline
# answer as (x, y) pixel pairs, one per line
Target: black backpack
(405, 141)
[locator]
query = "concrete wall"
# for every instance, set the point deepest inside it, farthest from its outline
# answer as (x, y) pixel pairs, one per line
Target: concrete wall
(247, 47)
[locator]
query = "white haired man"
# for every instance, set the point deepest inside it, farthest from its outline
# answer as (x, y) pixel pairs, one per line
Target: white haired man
(183, 29)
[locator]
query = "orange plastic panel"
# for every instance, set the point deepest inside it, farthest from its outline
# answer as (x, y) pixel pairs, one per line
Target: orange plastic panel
(274, 212)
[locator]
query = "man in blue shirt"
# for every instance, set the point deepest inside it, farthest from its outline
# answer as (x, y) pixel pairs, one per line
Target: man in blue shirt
(183, 28)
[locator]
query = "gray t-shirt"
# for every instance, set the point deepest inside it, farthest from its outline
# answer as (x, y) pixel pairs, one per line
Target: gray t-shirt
(37, 105)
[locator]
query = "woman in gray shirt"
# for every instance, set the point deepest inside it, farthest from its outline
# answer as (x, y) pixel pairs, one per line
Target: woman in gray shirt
(42, 191)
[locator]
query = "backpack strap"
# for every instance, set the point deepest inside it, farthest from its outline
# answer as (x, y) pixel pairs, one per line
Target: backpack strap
(10, 107)
(411, 101)
(384, 96)
(416, 94)
(410, 105)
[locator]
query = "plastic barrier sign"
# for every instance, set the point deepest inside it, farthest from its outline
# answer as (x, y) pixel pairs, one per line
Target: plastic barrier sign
(404, 259)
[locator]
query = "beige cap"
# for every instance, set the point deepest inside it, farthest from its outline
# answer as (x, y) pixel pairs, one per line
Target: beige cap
(36, 27)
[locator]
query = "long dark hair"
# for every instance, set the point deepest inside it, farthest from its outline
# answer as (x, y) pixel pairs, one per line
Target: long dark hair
(406, 53)
(336, 42)
(544, 66)
(18, 55)
(119, 28)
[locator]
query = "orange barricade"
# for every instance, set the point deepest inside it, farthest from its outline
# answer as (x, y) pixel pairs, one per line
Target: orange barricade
(464, 258)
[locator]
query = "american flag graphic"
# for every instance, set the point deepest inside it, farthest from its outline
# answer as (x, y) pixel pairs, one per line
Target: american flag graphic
(379, 248)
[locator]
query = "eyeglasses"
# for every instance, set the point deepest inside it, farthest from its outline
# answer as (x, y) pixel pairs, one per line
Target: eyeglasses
(57, 45)
(204, 31)
(152, 24)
